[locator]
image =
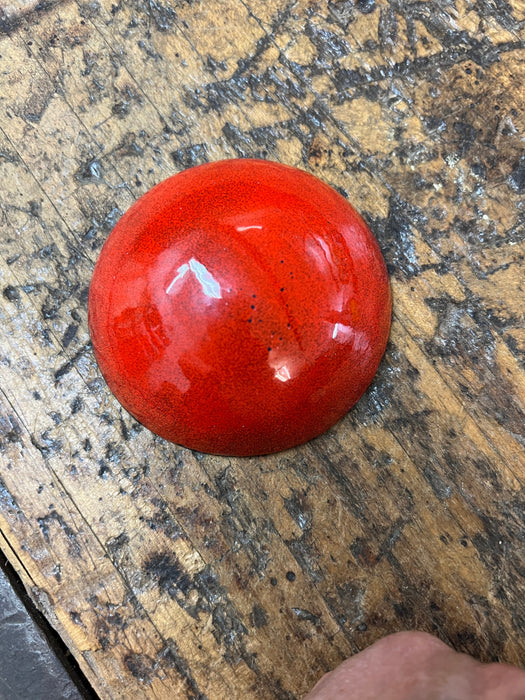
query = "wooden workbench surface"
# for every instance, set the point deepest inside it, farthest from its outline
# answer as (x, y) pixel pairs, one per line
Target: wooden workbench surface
(174, 574)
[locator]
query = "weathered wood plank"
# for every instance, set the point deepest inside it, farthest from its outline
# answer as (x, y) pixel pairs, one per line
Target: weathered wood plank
(170, 573)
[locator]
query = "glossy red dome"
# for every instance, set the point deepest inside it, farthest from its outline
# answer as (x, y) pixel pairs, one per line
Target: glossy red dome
(239, 308)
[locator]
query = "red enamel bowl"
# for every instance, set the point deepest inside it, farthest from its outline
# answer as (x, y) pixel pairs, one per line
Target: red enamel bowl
(239, 308)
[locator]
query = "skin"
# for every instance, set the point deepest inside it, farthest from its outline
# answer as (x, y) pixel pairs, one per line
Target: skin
(418, 666)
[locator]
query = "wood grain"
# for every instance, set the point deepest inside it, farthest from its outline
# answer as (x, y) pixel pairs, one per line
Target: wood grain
(175, 574)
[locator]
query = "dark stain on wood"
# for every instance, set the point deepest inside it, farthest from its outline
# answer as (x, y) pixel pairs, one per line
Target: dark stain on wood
(7, 501)
(44, 523)
(169, 575)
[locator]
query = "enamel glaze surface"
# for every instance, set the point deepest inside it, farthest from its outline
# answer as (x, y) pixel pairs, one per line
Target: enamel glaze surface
(239, 308)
